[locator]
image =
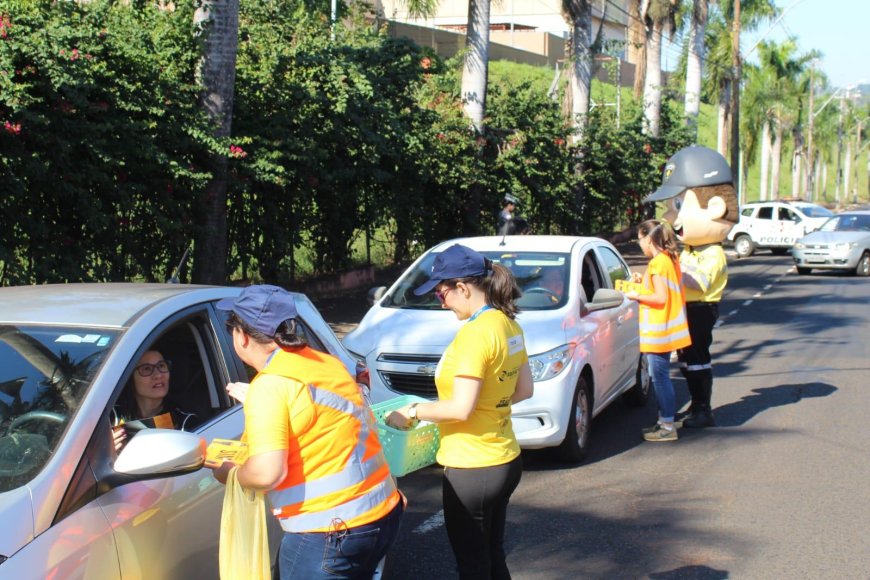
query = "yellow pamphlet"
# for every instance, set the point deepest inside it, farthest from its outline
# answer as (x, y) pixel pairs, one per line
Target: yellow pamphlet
(626, 286)
(220, 450)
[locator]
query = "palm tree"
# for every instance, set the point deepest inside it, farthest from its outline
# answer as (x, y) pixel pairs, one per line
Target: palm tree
(475, 70)
(695, 61)
(656, 14)
(578, 13)
(218, 21)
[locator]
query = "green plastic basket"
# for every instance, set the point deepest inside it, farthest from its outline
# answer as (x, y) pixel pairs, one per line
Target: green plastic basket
(410, 450)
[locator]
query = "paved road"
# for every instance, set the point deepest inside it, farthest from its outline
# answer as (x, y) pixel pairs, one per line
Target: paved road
(777, 490)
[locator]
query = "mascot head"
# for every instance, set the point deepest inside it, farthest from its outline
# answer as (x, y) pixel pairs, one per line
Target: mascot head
(698, 190)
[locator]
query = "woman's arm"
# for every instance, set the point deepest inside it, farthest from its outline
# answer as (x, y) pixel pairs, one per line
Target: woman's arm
(262, 472)
(525, 386)
(466, 391)
(659, 296)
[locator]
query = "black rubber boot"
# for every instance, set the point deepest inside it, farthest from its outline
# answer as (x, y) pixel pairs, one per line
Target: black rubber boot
(702, 411)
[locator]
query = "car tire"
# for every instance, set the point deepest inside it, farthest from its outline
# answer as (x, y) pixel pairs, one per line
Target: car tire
(575, 446)
(803, 271)
(863, 267)
(744, 246)
(638, 394)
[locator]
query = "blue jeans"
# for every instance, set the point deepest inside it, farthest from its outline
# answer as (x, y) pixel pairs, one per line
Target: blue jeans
(348, 553)
(660, 372)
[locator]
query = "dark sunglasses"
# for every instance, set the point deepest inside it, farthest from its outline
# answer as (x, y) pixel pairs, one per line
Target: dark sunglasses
(147, 369)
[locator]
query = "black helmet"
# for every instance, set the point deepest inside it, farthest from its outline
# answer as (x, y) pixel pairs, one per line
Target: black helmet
(693, 166)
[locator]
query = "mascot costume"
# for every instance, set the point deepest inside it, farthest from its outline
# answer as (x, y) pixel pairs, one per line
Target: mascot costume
(702, 206)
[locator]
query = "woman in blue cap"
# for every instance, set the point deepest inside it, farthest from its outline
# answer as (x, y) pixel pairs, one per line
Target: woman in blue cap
(483, 371)
(312, 445)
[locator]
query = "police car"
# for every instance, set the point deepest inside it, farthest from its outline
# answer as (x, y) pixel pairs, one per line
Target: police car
(775, 225)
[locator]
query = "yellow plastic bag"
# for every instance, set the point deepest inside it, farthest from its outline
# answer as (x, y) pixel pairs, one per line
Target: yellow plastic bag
(244, 545)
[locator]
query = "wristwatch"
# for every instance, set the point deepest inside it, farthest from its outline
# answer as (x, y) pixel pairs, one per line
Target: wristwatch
(412, 411)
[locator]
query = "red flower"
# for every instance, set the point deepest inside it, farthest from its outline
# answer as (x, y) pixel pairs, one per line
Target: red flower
(647, 148)
(14, 128)
(237, 152)
(5, 25)
(425, 62)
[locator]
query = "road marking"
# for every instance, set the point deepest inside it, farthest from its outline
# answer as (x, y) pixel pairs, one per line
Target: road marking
(747, 302)
(434, 521)
(769, 286)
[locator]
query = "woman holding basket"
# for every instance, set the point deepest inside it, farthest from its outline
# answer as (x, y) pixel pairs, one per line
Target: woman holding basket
(483, 371)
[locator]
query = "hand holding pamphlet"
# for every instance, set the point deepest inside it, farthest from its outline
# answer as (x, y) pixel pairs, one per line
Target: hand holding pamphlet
(162, 421)
(221, 450)
(626, 287)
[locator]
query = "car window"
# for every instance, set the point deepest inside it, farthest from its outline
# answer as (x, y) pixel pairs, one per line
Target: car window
(847, 223)
(45, 373)
(815, 211)
(615, 267)
(765, 213)
(590, 275)
(747, 211)
(542, 276)
(786, 214)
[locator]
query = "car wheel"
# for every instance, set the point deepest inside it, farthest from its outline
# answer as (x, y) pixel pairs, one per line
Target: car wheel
(637, 395)
(576, 443)
(863, 267)
(803, 271)
(744, 246)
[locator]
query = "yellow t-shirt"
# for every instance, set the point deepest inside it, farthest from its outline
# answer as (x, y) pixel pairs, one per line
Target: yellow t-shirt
(709, 267)
(270, 402)
(489, 347)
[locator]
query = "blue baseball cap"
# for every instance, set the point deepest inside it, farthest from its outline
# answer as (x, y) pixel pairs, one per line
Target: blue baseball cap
(263, 307)
(457, 261)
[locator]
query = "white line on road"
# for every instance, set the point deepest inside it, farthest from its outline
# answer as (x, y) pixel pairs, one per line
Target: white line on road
(434, 521)
(747, 303)
(768, 287)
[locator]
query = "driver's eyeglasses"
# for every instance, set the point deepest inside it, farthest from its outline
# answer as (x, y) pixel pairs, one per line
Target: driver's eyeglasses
(147, 369)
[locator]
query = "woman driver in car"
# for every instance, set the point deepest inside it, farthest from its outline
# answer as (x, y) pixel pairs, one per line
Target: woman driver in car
(145, 397)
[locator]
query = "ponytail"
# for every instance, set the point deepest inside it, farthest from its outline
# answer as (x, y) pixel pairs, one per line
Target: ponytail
(499, 286)
(662, 237)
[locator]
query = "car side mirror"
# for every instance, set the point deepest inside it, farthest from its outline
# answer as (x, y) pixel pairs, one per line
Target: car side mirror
(375, 294)
(161, 452)
(605, 298)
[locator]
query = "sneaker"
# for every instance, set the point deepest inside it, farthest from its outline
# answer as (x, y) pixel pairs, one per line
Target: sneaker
(699, 420)
(651, 428)
(661, 434)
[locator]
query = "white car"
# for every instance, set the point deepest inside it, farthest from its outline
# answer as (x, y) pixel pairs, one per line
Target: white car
(70, 505)
(581, 335)
(775, 225)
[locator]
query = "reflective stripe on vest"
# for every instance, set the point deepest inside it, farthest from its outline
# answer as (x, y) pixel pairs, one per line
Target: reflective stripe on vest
(665, 329)
(354, 472)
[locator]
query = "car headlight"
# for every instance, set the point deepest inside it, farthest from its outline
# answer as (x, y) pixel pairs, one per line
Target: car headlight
(549, 364)
(799, 246)
(844, 246)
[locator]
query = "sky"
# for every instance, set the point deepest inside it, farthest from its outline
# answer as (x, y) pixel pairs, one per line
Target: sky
(839, 29)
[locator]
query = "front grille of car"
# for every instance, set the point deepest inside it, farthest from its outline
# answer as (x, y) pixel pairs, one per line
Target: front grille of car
(410, 384)
(409, 374)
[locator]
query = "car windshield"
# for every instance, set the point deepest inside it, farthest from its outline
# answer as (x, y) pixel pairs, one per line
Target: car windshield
(542, 277)
(847, 223)
(815, 211)
(45, 372)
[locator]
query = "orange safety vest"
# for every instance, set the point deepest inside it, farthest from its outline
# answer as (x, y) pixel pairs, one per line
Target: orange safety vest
(336, 470)
(665, 329)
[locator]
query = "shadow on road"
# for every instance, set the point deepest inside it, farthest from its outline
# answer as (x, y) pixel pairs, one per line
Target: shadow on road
(739, 412)
(691, 573)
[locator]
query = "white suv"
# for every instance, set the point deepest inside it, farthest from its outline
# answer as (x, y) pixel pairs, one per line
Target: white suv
(775, 225)
(581, 335)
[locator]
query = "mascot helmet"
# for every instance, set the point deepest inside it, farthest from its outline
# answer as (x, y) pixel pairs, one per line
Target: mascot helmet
(693, 166)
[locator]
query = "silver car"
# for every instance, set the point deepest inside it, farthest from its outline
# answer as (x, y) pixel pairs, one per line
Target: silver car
(73, 507)
(841, 243)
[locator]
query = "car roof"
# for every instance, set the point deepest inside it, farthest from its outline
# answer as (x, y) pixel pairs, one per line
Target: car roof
(112, 305)
(853, 212)
(560, 244)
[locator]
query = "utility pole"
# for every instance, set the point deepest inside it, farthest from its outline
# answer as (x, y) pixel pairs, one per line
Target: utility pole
(810, 160)
(735, 90)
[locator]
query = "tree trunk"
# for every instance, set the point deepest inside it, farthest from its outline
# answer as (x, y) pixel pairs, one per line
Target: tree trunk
(637, 47)
(723, 124)
(652, 89)
(219, 21)
(581, 65)
(475, 69)
(765, 161)
(694, 64)
(776, 160)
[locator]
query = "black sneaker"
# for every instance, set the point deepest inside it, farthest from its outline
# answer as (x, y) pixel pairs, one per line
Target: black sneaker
(699, 420)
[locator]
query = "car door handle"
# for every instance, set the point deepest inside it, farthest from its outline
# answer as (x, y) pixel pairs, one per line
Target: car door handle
(620, 319)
